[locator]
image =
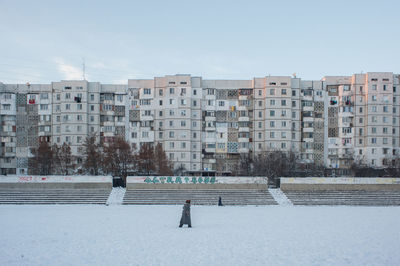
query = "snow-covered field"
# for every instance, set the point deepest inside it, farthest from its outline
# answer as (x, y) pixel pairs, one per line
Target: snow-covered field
(149, 235)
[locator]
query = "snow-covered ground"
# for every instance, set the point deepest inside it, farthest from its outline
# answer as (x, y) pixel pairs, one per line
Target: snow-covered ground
(149, 235)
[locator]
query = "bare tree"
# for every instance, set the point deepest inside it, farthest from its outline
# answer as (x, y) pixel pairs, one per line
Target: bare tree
(146, 159)
(118, 158)
(245, 167)
(41, 162)
(274, 164)
(92, 155)
(66, 159)
(161, 162)
(56, 163)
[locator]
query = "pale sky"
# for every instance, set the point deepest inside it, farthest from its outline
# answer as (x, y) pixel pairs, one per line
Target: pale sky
(44, 41)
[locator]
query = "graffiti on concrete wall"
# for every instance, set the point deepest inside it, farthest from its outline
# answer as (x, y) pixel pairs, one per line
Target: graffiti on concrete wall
(180, 180)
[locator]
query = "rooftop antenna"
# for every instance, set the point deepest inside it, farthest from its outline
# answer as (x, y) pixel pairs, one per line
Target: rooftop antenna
(83, 69)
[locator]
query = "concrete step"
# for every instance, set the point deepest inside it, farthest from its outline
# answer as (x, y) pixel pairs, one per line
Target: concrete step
(198, 196)
(54, 196)
(347, 197)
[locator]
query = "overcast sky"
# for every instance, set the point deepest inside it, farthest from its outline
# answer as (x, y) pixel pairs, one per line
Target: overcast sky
(44, 41)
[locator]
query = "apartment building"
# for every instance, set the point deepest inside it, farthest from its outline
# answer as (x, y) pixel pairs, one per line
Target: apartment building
(208, 124)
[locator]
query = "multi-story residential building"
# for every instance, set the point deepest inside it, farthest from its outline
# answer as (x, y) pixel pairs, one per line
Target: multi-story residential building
(206, 125)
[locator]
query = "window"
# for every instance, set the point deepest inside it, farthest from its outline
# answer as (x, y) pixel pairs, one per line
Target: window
(272, 113)
(385, 109)
(171, 90)
(145, 134)
(374, 98)
(293, 103)
(171, 134)
(8, 106)
(259, 124)
(385, 87)
(272, 135)
(79, 106)
(79, 117)
(272, 102)
(92, 108)
(293, 93)
(272, 123)
(272, 92)
(283, 92)
(283, 102)
(374, 130)
(91, 118)
(92, 97)
(160, 92)
(183, 123)
(373, 140)
(259, 92)
(374, 87)
(385, 130)
(145, 91)
(134, 135)
(67, 106)
(283, 135)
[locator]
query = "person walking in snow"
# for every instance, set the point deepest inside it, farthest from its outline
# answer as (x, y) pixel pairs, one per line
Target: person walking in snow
(220, 202)
(185, 219)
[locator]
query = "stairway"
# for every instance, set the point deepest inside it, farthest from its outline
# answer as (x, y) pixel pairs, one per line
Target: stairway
(198, 196)
(345, 197)
(54, 196)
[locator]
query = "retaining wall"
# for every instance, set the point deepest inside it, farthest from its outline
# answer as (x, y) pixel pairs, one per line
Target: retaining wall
(190, 182)
(340, 183)
(55, 182)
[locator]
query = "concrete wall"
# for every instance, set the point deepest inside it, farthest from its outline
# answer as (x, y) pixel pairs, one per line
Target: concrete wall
(320, 183)
(55, 182)
(143, 182)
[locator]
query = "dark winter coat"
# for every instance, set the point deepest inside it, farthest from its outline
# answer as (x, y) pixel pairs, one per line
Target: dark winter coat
(186, 214)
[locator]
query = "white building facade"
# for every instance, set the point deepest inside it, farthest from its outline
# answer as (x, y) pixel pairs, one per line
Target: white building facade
(208, 124)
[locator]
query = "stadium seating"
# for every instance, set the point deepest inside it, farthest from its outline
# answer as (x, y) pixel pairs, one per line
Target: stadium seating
(344, 197)
(199, 196)
(54, 196)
